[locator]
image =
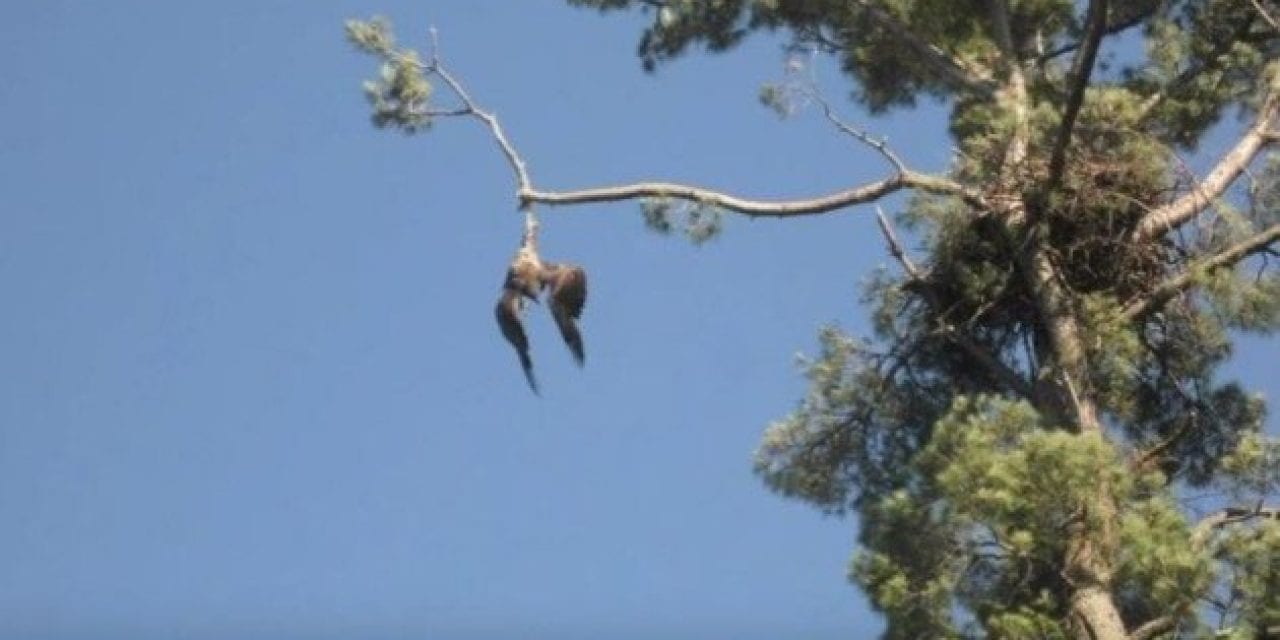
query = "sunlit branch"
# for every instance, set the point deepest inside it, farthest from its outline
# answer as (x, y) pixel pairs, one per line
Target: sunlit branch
(469, 108)
(1266, 15)
(1179, 283)
(1015, 86)
(869, 192)
(1174, 214)
(880, 145)
(903, 178)
(895, 247)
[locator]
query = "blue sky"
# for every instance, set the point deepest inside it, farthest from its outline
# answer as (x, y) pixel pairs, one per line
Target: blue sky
(252, 387)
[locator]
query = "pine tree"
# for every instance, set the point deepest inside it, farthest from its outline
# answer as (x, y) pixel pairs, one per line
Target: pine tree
(1041, 387)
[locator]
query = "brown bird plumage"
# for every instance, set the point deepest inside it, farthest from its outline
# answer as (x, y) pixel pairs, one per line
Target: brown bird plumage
(568, 285)
(510, 306)
(527, 276)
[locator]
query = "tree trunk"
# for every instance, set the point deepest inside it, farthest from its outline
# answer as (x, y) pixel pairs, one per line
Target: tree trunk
(1094, 615)
(1061, 391)
(1065, 396)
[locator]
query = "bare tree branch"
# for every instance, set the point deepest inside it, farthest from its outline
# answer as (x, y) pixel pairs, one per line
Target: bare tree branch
(1095, 23)
(527, 194)
(1175, 285)
(895, 247)
(955, 71)
(491, 121)
(762, 208)
(881, 145)
(447, 113)
(1013, 93)
(1265, 15)
(1015, 89)
(1174, 214)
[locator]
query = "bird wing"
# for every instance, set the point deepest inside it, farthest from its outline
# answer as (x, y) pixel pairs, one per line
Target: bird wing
(568, 285)
(507, 313)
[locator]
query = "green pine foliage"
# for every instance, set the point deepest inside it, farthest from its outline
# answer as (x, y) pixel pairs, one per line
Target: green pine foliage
(398, 95)
(966, 484)
(1029, 432)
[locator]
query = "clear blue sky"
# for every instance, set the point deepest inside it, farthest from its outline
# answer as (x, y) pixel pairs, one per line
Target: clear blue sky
(251, 386)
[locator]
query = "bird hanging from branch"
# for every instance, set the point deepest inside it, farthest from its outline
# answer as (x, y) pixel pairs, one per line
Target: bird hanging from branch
(527, 277)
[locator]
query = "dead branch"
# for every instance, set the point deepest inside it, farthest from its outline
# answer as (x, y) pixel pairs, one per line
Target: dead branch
(469, 108)
(1174, 214)
(528, 194)
(869, 192)
(880, 145)
(895, 247)
(1266, 15)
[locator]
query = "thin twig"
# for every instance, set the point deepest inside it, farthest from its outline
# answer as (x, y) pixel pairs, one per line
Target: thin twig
(880, 145)
(523, 183)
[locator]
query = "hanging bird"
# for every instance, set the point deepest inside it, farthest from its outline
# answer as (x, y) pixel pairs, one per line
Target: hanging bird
(568, 284)
(522, 283)
(527, 277)
(510, 306)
